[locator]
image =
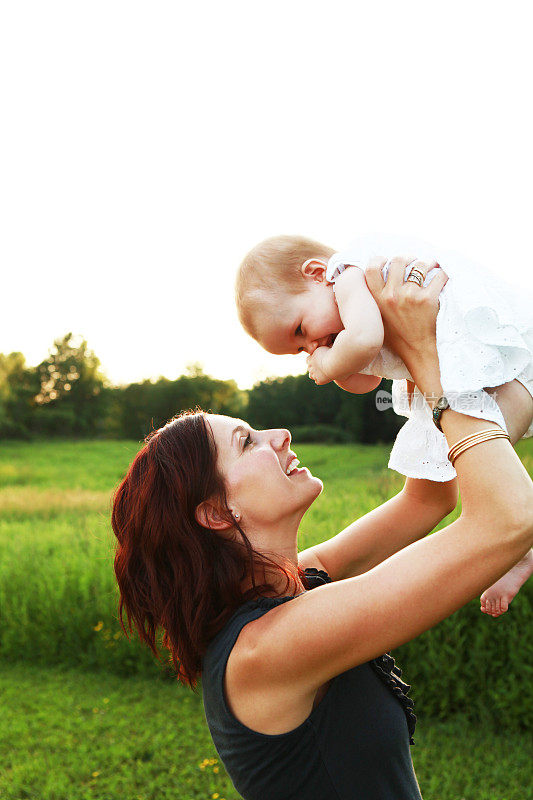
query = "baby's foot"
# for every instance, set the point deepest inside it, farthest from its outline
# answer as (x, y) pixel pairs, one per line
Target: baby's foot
(495, 600)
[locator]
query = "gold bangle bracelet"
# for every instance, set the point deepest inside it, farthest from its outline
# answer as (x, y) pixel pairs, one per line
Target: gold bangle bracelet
(471, 441)
(473, 437)
(476, 438)
(473, 444)
(456, 451)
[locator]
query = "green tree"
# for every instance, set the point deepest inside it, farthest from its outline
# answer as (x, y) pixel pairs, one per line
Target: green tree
(69, 398)
(296, 401)
(18, 387)
(141, 407)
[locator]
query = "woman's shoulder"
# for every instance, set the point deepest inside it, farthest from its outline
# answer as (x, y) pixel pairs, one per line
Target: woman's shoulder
(251, 621)
(255, 622)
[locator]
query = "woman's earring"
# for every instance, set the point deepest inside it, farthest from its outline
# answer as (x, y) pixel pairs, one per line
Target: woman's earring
(236, 515)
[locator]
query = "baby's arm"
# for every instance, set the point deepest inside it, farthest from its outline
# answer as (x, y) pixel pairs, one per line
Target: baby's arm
(362, 338)
(359, 384)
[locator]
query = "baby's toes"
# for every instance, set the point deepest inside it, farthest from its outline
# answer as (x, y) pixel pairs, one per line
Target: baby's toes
(501, 606)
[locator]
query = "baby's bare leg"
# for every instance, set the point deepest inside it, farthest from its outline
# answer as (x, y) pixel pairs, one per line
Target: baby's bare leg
(516, 405)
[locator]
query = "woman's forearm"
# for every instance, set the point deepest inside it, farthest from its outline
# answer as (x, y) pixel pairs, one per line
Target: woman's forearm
(496, 491)
(493, 482)
(441, 496)
(407, 517)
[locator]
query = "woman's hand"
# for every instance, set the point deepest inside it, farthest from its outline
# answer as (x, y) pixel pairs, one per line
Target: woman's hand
(409, 312)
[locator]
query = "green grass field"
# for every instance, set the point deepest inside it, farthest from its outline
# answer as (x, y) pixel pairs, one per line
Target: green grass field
(87, 714)
(72, 735)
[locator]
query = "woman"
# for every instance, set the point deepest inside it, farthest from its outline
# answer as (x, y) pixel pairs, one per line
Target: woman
(299, 697)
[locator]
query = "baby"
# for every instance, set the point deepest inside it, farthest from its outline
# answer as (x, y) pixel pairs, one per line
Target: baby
(296, 295)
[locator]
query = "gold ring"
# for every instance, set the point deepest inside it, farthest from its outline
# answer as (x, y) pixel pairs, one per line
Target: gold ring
(414, 278)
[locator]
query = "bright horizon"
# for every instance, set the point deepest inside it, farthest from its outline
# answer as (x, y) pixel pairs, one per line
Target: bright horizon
(145, 152)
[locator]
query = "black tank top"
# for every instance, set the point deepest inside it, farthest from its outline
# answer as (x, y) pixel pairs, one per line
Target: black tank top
(354, 745)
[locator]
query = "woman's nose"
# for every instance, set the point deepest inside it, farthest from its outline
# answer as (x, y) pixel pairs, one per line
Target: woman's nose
(281, 438)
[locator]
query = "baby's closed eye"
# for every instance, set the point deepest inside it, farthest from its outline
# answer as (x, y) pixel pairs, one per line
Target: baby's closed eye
(298, 334)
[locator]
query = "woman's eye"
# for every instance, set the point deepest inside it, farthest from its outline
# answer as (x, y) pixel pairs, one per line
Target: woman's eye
(247, 441)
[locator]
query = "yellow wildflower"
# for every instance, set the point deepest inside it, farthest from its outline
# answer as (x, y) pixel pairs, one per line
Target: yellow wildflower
(99, 625)
(96, 774)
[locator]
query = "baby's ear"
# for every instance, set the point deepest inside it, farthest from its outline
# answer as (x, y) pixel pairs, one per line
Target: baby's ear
(315, 269)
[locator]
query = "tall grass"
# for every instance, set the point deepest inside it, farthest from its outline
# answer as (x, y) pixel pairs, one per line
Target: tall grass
(58, 596)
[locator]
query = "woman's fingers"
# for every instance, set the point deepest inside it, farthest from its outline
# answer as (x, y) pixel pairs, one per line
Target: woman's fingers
(437, 283)
(374, 276)
(422, 266)
(395, 277)
(397, 274)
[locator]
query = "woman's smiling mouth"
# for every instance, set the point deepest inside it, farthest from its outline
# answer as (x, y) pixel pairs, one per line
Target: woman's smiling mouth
(292, 466)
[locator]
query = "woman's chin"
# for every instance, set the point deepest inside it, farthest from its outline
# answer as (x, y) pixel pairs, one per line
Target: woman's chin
(315, 488)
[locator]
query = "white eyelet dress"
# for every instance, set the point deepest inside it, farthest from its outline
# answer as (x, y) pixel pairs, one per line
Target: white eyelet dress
(484, 339)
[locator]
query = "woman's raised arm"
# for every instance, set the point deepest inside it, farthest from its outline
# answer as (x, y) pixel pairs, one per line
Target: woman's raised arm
(322, 633)
(405, 518)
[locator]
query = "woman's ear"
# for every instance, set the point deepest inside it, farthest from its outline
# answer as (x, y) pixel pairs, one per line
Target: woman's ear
(315, 269)
(209, 516)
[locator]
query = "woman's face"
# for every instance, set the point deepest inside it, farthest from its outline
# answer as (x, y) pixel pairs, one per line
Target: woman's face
(261, 485)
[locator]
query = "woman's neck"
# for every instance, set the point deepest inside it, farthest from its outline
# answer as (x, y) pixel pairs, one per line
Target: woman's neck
(274, 577)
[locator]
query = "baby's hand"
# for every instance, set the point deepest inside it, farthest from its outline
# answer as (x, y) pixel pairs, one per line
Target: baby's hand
(315, 366)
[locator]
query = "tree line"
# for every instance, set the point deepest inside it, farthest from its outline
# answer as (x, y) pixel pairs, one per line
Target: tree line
(68, 395)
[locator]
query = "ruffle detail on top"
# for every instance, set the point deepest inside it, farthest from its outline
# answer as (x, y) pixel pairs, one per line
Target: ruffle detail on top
(316, 577)
(313, 578)
(268, 602)
(391, 675)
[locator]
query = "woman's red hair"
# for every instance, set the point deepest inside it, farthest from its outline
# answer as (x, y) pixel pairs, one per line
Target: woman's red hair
(172, 572)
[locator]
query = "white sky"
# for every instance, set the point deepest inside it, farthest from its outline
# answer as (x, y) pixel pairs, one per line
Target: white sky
(147, 146)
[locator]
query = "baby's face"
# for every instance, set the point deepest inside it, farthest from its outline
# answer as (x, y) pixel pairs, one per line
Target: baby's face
(295, 323)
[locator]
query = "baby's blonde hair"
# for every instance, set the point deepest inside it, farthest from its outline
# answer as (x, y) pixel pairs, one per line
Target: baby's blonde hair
(273, 265)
